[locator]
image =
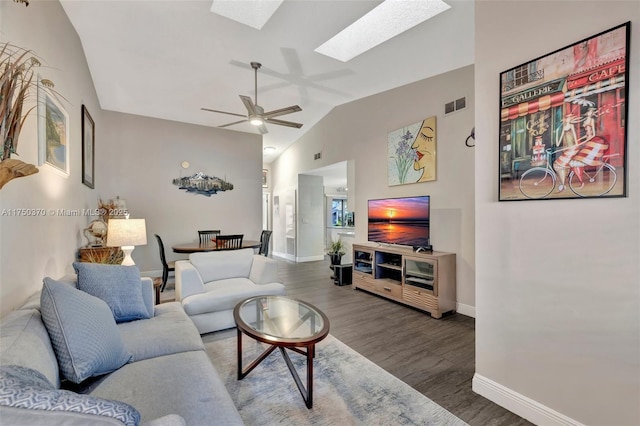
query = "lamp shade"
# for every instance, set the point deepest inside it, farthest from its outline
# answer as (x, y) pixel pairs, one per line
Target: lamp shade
(126, 232)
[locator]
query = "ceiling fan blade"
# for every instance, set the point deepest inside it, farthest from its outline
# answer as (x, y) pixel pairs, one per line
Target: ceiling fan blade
(235, 122)
(223, 112)
(282, 111)
(283, 123)
(248, 103)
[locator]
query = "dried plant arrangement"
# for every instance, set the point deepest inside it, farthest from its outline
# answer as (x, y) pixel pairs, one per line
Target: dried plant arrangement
(111, 256)
(17, 84)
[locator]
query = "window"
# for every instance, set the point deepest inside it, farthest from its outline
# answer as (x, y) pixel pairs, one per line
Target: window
(339, 212)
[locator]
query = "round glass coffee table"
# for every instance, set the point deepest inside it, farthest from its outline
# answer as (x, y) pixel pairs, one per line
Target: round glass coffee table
(283, 323)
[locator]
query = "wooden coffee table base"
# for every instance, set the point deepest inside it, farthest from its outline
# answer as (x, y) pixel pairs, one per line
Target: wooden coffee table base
(307, 393)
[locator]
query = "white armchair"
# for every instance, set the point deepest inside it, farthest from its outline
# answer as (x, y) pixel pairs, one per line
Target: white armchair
(209, 285)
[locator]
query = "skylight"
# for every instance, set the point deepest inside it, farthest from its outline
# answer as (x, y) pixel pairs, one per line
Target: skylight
(254, 13)
(387, 20)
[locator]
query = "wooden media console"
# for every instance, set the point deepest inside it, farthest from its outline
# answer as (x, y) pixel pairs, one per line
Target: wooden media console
(426, 281)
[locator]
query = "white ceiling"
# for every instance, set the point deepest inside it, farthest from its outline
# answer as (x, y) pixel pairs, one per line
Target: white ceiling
(168, 58)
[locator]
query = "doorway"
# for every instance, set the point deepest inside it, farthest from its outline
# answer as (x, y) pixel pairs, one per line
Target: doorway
(335, 178)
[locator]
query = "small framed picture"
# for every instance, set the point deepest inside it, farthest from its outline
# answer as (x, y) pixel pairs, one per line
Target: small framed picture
(88, 148)
(265, 182)
(53, 132)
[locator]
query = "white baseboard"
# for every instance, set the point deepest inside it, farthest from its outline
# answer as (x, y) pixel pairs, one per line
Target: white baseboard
(519, 404)
(284, 256)
(309, 258)
(156, 273)
(467, 310)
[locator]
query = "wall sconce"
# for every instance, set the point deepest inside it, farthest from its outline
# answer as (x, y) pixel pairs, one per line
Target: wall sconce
(471, 136)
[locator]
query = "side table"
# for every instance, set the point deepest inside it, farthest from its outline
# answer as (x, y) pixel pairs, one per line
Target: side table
(157, 284)
(342, 274)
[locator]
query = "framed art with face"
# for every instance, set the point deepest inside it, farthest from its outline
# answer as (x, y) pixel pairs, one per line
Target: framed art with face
(412, 153)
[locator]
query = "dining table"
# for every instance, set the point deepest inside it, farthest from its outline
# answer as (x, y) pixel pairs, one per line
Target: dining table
(197, 247)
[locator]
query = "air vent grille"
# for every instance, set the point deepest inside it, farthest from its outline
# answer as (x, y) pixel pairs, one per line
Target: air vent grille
(454, 106)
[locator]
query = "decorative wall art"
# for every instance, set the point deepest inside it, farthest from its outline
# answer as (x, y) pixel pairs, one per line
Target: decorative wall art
(412, 153)
(563, 130)
(265, 178)
(53, 132)
(88, 148)
(202, 184)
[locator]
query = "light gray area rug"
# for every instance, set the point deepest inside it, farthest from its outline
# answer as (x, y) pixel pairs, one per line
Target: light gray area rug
(348, 389)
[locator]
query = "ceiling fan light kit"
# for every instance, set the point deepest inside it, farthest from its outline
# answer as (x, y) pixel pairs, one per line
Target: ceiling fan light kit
(255, 113)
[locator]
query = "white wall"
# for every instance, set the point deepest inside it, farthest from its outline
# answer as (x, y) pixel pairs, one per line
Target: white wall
(558, 305)
(310, 218)
(34, 247)
(145, 155)
(358, 131)
(284, 223)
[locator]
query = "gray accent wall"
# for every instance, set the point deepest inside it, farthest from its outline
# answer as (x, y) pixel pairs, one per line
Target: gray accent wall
(144, 155)
(558, 293)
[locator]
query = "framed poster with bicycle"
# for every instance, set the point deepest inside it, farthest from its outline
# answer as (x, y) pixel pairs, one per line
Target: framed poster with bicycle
(563, 131)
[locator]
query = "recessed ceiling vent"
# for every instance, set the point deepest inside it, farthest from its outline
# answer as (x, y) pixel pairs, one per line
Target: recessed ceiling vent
(454, 106)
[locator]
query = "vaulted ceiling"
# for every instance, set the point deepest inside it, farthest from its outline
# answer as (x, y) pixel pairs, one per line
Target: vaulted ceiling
(168, 58)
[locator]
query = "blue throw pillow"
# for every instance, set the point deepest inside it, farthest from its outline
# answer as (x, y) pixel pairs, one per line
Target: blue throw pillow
(26, 388)
(117, 285)
(84, 335)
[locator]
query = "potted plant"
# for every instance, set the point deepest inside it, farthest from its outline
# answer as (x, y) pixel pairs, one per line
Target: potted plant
(336, 251)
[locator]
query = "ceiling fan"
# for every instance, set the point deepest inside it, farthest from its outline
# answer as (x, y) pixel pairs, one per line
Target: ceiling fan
(255, 113)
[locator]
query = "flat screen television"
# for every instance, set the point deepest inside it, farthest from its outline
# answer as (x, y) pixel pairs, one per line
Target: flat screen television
(402, 221)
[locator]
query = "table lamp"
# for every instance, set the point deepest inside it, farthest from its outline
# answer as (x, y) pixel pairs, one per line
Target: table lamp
(126, 234)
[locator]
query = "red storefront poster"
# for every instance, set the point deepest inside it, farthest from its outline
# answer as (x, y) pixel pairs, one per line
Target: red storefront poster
(563, 122)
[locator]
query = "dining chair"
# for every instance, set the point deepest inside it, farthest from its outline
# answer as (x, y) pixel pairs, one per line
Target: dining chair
(206, 236)
(166, 266)
(264, 242)
(229, 242)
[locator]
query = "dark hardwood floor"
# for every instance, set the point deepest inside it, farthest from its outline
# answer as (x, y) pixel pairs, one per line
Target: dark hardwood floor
(435, 357)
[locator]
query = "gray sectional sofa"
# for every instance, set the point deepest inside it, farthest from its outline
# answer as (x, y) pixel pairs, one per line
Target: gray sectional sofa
(168, 379)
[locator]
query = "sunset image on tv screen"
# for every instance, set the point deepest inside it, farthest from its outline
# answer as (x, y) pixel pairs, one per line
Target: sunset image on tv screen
(399, 220)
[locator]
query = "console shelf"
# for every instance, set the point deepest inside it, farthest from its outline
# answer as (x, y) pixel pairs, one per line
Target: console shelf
(426, 281)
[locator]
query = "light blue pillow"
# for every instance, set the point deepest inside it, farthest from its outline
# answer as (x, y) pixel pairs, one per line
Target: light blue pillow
(117, 285)
(26, 388)
(84, 335)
